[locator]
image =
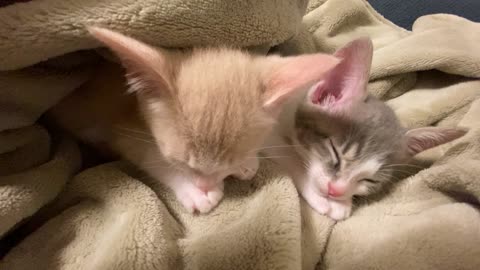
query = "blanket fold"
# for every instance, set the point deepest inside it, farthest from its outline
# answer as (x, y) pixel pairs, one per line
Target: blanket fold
(111, 216)
(38, 30)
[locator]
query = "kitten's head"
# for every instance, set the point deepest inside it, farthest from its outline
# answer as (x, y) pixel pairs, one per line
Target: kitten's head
(350, 140)
(210, 109)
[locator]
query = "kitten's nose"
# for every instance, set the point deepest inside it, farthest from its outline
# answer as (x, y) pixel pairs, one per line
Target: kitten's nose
(335, 190)
(204, 185)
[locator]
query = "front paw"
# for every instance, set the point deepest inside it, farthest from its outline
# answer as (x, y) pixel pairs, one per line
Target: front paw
(196, 200)
(248, 170)
(340, 210)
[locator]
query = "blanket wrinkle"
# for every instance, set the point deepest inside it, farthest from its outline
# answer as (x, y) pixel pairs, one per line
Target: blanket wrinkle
(110, 216)
(56, 27)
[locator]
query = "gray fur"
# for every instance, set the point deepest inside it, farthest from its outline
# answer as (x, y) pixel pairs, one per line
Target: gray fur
(369, 130)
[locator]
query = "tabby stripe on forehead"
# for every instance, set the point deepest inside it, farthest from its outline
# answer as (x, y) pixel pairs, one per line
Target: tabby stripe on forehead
(346, 146)
(354, 147)
(348, 142)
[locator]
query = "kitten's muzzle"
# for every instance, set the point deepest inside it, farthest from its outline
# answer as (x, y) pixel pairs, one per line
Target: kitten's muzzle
(335, 190)
(204, 186)
(206, 183)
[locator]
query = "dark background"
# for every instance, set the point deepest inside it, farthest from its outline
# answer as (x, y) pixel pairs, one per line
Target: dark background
(405, 12)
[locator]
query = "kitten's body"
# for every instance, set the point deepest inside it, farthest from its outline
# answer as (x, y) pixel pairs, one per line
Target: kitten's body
(339, 142)
(196, 117)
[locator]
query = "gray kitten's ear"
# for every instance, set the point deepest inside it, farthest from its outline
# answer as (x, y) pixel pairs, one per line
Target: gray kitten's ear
(421, 139)
(346, 84)
(148, 68)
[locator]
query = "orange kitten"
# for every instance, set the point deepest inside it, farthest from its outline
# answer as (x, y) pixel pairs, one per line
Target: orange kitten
(195, 118)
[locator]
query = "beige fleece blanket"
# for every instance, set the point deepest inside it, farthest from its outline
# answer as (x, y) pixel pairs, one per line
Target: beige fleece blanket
(106, 217)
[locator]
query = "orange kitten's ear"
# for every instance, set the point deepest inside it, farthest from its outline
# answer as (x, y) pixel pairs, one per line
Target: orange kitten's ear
(421, 139)
(147, 67)
(287, 75)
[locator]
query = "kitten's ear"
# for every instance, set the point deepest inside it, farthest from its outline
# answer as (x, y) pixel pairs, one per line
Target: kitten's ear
(421, 139)
(148, 68)
(346, 84)
(284, 76)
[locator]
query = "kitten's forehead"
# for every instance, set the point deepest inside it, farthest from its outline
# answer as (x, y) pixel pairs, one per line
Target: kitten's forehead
(368, 129)
(210, 71)
(218, 102)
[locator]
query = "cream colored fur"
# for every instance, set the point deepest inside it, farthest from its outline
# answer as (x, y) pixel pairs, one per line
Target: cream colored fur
(105, 218)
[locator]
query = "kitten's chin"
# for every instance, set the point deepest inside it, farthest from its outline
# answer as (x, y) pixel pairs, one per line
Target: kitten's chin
(340, 198)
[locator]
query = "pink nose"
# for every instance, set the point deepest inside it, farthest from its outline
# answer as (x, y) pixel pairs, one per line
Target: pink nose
(204, 185)
(335, 191)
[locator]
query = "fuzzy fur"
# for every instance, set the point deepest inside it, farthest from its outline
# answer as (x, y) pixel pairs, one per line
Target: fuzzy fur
(195, 118)
(344, 142)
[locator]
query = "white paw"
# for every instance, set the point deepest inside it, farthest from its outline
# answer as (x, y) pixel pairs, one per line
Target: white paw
(248, 170)
(194, 199)
(340, 210)
(319, 203)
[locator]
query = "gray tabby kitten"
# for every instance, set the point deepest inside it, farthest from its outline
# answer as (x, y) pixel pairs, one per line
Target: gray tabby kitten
(345, 142)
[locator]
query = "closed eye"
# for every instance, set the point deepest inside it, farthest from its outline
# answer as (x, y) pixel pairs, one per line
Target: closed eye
(368, 180)
(335, 155)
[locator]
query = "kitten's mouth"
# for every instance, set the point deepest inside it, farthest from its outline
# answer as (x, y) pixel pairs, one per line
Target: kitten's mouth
(337, 198)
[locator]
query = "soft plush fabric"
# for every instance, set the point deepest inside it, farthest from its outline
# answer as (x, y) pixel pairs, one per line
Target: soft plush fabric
(53, 216)
(40, 29)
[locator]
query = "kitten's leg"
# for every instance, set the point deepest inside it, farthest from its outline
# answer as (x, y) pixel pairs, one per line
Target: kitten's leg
(248, 170)
(340, 210)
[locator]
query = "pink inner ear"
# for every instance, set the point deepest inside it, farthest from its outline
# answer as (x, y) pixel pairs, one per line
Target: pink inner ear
(421, 139)
(326, 96)
(346, 83)
(287, 75)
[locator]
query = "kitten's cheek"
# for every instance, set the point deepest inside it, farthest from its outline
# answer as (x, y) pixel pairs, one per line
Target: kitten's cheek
(321, 185)
(248, 170)
(361, 189)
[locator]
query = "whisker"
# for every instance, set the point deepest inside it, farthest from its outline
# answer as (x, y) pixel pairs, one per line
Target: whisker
(404, 165)
(247, 169)
(398, 170)
(135, 138)
(306, 164)
(134, 130)
(388, 178)
(403, 174)
(276, 146)
(271, 157)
